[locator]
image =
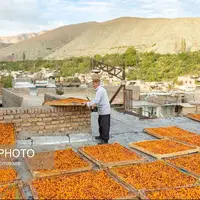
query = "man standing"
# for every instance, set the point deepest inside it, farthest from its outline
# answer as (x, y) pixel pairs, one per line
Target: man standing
(101, 101)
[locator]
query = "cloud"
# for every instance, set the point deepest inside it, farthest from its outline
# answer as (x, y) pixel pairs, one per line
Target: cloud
(164, 8)
(18, 16)
(19, 10)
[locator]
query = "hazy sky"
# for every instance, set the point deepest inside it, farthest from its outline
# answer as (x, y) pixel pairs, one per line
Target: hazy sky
(21, 16)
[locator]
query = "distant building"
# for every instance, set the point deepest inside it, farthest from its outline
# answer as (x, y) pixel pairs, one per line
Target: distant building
(186, 81)
(46, 83)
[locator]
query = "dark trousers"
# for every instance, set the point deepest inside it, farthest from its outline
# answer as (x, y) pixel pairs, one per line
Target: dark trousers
(104, 126)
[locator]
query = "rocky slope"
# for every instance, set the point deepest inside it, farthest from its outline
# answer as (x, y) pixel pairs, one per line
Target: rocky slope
(115, 36)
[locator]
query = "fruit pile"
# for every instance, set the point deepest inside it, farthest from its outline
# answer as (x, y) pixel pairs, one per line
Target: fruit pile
(10, 192)
(61, 160)
(194, 116)
(190, 163)
(154, 175)
(180, 193)
(7, 175)
(68, 101)
(85, 185)
(110, 153)
(169, 132)
(162, 146)
(7, 134)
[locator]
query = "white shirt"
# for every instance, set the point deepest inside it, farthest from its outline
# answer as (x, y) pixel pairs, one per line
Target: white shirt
(102, 101)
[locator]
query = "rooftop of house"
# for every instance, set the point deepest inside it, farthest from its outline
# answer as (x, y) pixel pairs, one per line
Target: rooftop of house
(138, 104)
(124, 130)
(195, 102)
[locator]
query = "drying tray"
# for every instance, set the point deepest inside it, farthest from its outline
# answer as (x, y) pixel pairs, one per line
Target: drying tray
(19, 187)
(16, 180)
(132, 188)
(143, 193)
(183, 169)
(193, 118)
(72, 103)
(160, 156)
(110, 164)
(132, 195)
(38, 174)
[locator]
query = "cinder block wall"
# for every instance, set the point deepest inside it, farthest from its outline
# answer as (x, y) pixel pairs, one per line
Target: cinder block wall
(46, 120)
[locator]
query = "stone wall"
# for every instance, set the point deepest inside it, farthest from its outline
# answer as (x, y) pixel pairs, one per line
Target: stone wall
(10, 99)
(47, 121)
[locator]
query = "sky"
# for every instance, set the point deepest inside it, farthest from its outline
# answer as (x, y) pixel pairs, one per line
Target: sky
(24, 16)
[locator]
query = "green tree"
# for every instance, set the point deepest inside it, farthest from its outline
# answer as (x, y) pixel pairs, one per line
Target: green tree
(130, 57)
(24, 56)
(7, 82)
(183, 45)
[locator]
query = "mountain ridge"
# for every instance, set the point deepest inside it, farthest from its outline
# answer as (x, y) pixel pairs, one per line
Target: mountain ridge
(44, 44)
(19, 37)
(161, 35)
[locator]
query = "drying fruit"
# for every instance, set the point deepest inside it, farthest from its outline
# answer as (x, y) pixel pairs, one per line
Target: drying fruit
(175, 133)
(110, 153)
(190, 163)
(169, 132)
(154, 175)
(7, 134)
(56, 161)
(10, 192)
(180, 193)
(68, 101)
(85, 185)
(194, 116)
(162, 146)
(192, 140)
(7, 175)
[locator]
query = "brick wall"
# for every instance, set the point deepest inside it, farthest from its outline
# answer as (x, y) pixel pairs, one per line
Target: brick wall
(46, 120)
(10, 99)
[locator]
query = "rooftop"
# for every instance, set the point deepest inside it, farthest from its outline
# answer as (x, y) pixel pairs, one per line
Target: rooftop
(144, 103)
(124, 130)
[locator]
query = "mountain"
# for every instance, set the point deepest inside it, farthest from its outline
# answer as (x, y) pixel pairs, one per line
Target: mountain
(45, 44)
(87, 39)
(159, 35)
(19, 38)
(3, 45)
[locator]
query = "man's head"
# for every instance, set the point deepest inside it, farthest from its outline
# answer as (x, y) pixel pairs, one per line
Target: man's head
(96, 80)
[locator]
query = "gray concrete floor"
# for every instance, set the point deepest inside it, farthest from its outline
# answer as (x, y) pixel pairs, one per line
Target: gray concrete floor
(32, 100)
(124, 129)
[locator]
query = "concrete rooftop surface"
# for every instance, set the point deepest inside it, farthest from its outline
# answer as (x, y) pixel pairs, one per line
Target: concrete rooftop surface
(32, 100)
(124, 130)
